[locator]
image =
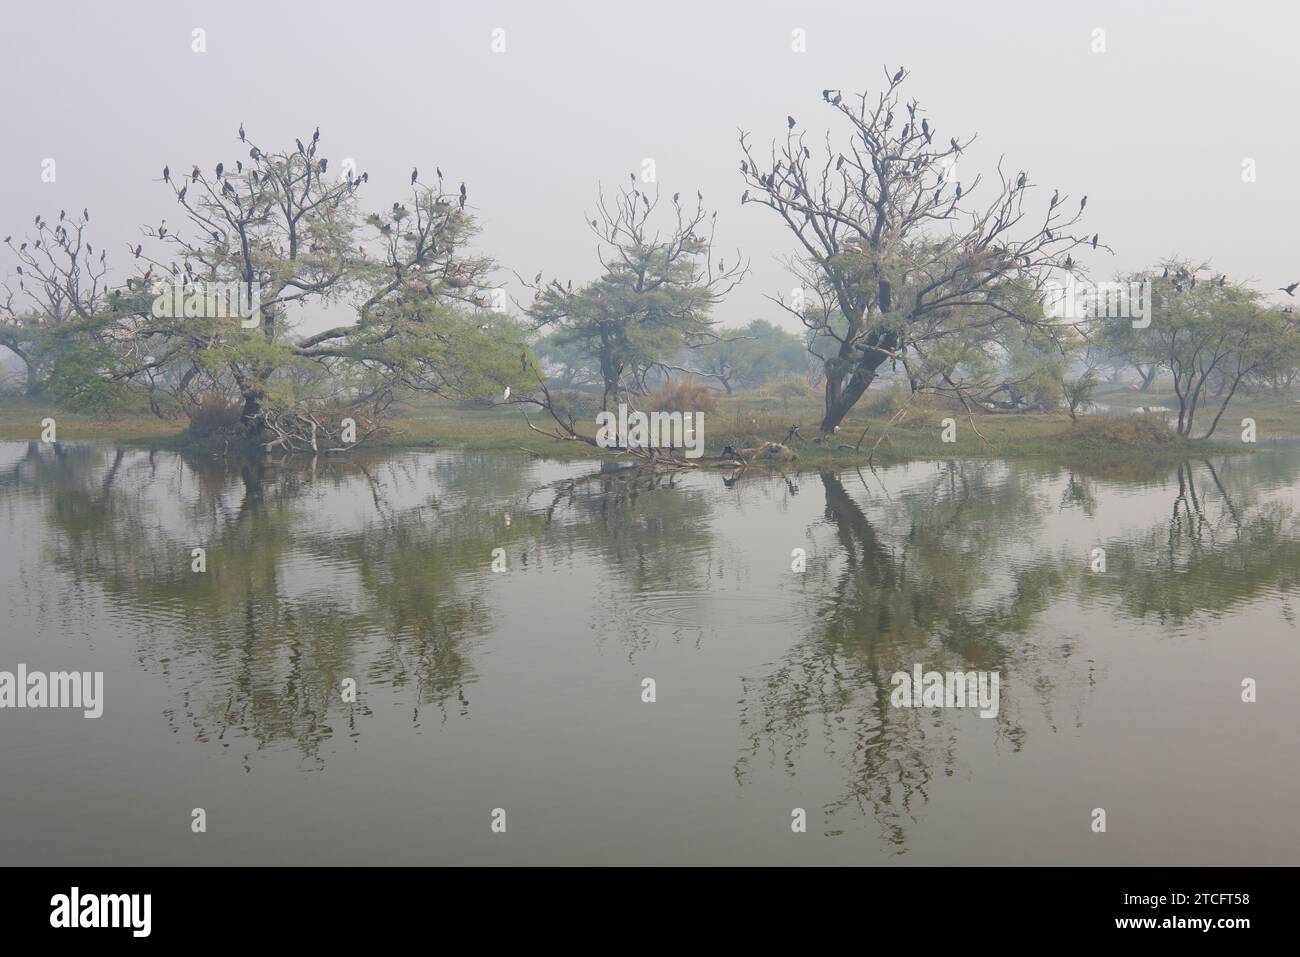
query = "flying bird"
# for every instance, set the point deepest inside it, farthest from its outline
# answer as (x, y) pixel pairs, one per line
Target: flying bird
(1290, 290)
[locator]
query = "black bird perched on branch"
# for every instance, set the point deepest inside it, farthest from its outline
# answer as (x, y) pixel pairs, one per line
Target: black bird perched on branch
(1021, 180)
(255, 154)
(463, 196)
(925, 130)
(167, 174)
(744, 197)
(194, 175)
(415, 173)
(315, 137)
(955, 145)
(324, 163)
(1290, 290)
(1094, 240)
(1056, 198)
(241, 132)
(298, 143)
(899, 75)
(180, 197)
(1082, 203)
(221, 168)
(138, 248)
(789, 121)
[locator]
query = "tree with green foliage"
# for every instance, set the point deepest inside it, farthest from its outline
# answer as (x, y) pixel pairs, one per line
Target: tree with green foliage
(655, 296)
(752, 357)
(1207, 331)
(285, 233)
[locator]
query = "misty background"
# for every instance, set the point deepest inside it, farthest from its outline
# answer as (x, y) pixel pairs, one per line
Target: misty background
(1154, 130)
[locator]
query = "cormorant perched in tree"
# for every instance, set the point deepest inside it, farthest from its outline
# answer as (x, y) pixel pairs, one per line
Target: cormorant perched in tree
(415, 173)
(1056, 198)
(241, 132)
(221, 168)
(789, 122)
(1021, 180)
(899, 75)
(1094, 240)
(167, 174)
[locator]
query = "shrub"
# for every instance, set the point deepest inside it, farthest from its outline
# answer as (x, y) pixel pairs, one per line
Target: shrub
(682, 396)
(214, 414)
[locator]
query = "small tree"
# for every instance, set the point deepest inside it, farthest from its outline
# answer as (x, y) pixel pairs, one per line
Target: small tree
(655, 296)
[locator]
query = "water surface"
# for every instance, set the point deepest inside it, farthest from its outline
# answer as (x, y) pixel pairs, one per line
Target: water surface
(522, 689)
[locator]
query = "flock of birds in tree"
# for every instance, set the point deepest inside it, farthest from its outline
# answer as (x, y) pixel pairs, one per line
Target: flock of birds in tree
(1182, 277)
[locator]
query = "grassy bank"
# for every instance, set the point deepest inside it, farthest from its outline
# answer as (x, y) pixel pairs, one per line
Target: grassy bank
(748, 419)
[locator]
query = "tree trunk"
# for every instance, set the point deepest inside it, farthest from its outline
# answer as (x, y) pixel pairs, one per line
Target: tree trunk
(840, 399)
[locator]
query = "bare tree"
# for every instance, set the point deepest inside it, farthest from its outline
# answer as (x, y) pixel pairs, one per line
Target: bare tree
(898, 261)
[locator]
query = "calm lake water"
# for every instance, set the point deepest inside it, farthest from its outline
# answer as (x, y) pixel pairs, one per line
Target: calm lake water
(522, 689)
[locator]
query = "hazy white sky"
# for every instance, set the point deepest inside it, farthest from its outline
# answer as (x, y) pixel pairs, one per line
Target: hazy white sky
(1154, 130)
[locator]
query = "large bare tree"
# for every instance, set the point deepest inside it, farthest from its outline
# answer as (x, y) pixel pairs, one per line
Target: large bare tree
(899, 259)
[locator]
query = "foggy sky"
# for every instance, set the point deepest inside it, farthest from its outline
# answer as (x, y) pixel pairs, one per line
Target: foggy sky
(1154, 130)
